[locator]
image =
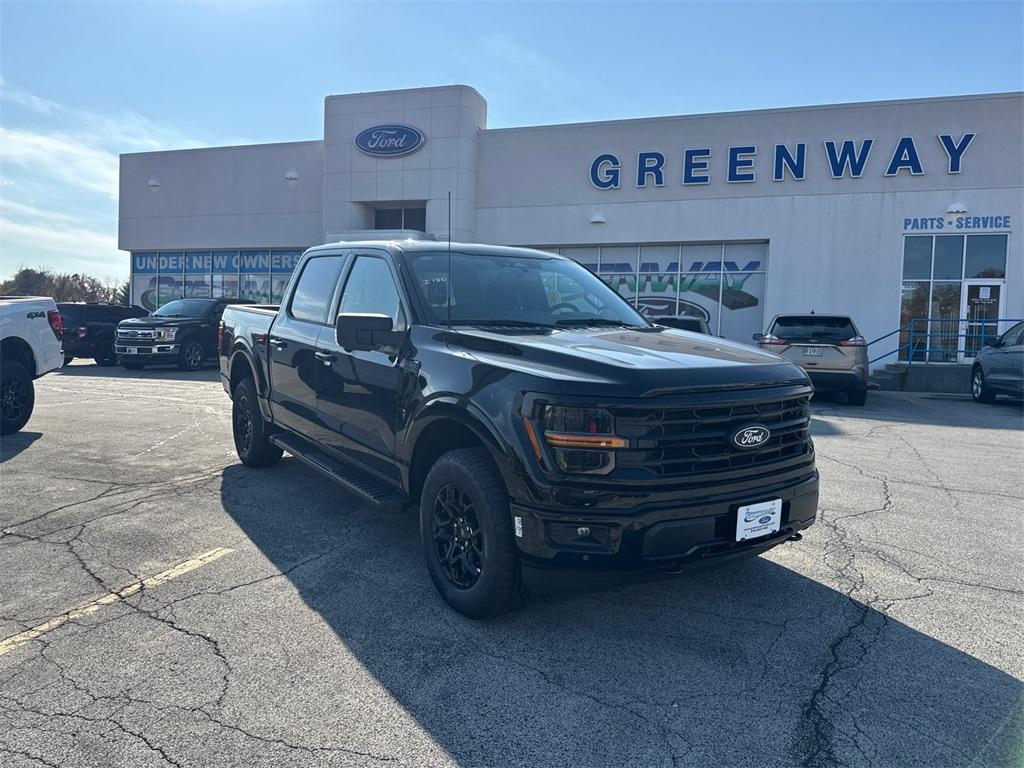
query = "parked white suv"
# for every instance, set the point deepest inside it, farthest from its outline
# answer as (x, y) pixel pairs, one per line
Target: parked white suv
(30, 345)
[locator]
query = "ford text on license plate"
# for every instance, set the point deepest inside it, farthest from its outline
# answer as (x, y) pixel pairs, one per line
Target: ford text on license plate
(755, 520)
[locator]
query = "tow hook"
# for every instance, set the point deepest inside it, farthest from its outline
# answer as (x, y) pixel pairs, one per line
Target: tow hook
(796, 537)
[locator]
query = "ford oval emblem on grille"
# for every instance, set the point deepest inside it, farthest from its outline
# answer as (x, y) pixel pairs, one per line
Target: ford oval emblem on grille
(389, 140)
(751, 436)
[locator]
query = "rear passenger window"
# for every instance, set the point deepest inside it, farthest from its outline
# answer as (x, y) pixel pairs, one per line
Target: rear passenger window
(315, 289)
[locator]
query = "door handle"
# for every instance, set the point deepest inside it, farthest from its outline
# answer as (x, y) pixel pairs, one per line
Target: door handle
(278, 343)
(327, 357)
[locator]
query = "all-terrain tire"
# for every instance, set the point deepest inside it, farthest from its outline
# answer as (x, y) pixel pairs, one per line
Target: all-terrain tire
(250, 431)
(17, 396)
(470, 474)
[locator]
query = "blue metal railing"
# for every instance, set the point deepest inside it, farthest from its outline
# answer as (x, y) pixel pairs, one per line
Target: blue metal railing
(920, 338)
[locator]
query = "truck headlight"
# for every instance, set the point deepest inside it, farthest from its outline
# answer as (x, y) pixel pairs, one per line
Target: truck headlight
(166, 334)
(582, 438)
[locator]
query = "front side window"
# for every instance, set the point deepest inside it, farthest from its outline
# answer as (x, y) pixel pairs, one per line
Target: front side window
(508, 290)
(313, 293)
(1013, 336)
(371, 289)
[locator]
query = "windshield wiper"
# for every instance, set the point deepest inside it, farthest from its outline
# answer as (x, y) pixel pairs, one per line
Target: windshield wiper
(505, 323)
(597, 321)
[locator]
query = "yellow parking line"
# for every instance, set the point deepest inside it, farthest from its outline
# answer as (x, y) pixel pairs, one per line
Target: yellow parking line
(180, 569)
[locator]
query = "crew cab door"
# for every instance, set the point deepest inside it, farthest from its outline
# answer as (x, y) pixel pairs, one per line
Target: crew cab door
(358, 396)
(292, 344)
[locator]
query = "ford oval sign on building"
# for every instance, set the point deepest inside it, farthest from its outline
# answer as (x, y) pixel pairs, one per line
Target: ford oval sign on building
(389, 140)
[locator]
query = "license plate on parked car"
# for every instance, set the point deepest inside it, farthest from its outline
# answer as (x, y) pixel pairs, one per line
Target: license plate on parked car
(131, 350)
(756, 520)
(812, 351)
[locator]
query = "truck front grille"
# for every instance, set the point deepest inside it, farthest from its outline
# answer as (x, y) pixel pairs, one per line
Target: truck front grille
(685, 441)
(136, 334)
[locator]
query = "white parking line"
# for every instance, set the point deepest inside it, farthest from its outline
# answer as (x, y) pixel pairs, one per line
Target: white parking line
(14, 641)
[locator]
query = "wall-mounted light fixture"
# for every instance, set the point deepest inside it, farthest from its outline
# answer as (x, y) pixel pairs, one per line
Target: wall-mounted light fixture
(597, 218)
(154, 183)
(291, 176)
(956, 208)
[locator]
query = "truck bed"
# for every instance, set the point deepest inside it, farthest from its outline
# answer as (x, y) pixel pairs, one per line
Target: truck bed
(259, 309)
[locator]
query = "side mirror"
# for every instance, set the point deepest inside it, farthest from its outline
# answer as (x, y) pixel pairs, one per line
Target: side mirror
(758, 336)
(991, 342)
(364, 331)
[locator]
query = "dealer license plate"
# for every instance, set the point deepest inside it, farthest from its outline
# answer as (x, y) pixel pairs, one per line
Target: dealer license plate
(756, 520)
(812, 351)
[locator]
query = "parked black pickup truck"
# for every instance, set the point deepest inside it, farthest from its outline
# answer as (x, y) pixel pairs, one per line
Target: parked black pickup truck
(89, 329)
(550, 435)
(183, 331)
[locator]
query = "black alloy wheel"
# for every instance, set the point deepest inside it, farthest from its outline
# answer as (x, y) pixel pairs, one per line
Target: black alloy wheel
(191, 356)
(458, 541)
(250, 431)
(466, 531)
(17, 397)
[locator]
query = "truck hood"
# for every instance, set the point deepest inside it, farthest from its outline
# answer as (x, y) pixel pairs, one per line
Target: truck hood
(156, 322)
(642, 363)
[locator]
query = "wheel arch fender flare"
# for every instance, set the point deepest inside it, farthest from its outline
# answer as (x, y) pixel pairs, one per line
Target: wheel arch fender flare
(472, 418)
(241, 355)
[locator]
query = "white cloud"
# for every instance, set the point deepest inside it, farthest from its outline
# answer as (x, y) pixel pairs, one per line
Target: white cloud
(59, 169)
(62, 158)
(54, 242)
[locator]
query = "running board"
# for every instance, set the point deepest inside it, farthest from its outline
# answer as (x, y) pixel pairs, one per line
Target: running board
(349, 477)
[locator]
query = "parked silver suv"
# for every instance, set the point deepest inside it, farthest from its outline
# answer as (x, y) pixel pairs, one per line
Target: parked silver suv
(999, 367)
(828, 347)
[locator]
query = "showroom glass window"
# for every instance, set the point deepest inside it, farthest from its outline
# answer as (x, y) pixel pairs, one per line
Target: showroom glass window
(259, 275)
(720, 283)
(934, 270)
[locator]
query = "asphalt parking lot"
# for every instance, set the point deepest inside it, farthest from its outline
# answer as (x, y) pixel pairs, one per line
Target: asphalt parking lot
(198, 613)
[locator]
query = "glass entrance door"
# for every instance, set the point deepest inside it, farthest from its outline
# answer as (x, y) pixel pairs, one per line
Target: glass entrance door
(980, 308)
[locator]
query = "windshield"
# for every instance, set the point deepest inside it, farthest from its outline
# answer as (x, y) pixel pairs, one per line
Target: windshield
(184, 308)
(508, 291)
(812, 328)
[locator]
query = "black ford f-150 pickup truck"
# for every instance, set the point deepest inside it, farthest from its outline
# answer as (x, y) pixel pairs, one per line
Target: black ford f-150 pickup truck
(550, 435)
(183, 331)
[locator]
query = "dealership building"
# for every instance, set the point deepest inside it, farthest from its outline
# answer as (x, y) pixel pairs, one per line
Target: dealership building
(886, 211)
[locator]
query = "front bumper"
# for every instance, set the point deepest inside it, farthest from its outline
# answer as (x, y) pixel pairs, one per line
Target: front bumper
(156, 352)
(649, 540)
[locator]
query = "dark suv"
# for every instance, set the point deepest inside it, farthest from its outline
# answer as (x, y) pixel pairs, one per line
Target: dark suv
(89, 329)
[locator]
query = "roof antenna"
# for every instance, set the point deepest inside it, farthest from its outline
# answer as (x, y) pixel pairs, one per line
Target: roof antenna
(449, 260)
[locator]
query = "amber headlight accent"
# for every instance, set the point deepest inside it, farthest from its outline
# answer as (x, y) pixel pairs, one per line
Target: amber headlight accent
(582, 438)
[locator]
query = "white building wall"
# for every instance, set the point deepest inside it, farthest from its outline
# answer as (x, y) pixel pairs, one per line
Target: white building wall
(222, 197)
(835, 244)
(449, 117)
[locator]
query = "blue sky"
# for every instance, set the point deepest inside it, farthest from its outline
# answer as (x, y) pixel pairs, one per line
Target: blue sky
(85, 81)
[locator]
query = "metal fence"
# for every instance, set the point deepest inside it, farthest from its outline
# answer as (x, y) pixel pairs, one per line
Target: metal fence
(942, 339)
